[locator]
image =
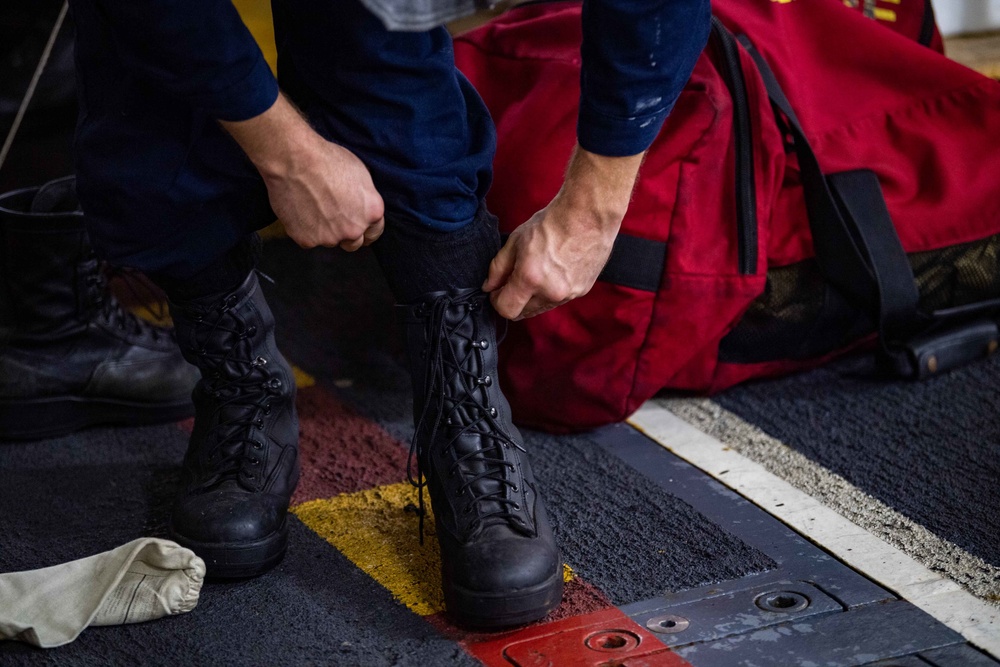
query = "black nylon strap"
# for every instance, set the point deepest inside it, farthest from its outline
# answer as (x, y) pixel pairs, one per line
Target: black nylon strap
(863, 205)
(837, 255)
(857, 248)
(635, 262)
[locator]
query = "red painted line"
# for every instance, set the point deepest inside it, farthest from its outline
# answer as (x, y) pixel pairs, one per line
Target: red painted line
(341, 451)
(579, 597)
(597, 639)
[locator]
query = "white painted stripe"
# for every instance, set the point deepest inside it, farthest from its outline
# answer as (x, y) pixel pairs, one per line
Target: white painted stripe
(937, 595)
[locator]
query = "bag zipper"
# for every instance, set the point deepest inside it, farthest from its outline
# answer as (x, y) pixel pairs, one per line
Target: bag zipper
(746, 190)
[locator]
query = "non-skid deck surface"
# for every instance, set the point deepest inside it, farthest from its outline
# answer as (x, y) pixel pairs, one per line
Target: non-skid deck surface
(356, 587)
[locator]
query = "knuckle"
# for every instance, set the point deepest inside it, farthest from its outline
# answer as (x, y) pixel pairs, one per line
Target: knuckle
(532, 276)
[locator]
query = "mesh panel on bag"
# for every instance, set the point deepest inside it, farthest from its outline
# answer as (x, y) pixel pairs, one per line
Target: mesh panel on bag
(799, 316)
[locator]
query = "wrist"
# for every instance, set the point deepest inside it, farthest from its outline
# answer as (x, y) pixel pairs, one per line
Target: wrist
(599, 187)
(277, 141)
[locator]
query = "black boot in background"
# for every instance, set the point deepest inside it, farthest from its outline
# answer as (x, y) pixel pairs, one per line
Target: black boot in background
(500, 563)
(242, 464)
(70, 357)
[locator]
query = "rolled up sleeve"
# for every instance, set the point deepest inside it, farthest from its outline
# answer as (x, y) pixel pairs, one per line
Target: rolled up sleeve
(199, 50)
(637, 57)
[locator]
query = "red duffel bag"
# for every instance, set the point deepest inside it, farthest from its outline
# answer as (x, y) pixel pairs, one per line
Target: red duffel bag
(801, 120)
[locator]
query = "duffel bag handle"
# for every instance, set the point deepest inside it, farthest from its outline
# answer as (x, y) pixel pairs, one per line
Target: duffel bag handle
(859, 252)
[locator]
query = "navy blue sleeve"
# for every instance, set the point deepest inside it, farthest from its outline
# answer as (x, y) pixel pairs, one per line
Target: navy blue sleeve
(196, 49)
(637, 57)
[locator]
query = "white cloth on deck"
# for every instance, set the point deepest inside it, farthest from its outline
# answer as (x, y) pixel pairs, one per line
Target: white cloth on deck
(145, 579)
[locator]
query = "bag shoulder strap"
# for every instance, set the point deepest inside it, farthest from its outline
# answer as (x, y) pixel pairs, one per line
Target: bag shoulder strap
(857, 248)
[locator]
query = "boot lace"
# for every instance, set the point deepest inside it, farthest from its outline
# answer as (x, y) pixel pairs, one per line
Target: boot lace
(109, 309)
(450, 367)
(242, 389)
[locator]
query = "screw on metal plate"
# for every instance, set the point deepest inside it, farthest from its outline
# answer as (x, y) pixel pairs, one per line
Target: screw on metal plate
(668, 625)
(784, 602)
(611, 641)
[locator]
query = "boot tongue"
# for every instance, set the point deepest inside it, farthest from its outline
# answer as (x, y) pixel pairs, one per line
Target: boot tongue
(58, 196)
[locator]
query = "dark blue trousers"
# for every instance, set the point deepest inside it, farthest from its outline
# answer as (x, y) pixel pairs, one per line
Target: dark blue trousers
(166, 190)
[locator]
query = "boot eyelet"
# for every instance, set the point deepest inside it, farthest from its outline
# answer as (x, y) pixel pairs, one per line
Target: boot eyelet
(250, 330)
(486, 381)
(514, 488)
(267, 409)
(256, 444)
(259, 423)
(517, 507)
(493, 412)
(260, 361)
(468, 509)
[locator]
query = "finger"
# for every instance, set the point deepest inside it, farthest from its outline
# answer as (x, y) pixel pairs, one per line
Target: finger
(511, 299)
(374, 231)
(501, 267)
(535, 306)
(350, 245)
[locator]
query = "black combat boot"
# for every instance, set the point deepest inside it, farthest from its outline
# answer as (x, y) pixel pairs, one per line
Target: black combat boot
(70, 357)
(500, 564)
(242, 464)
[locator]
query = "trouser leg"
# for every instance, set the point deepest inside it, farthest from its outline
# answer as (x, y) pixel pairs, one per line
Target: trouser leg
(396, 100)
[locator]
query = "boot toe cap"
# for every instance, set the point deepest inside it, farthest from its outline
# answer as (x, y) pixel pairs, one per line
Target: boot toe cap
(512, 564)
(228, 517)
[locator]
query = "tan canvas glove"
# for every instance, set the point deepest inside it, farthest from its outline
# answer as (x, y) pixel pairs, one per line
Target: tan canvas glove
(143, 580)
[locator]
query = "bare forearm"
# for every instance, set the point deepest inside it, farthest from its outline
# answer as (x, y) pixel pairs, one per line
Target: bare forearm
(272, 139)
(321, 191)
(601, 186)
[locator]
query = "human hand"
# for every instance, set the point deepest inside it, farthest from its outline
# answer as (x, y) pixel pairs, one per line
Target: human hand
(327, 198)
(321, 192)
(557, 255)
(549, 260)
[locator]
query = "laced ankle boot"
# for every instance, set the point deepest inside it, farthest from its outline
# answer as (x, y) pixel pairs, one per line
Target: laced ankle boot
(70, 356)
(242, 464)
(500, 564)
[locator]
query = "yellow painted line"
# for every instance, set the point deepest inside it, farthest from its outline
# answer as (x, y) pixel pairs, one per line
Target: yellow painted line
(374, 530)
(302, 379)
(152, 312)
(256, 14)
(376, 533)
(273, 231)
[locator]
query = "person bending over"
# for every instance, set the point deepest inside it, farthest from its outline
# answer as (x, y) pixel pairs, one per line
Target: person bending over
(186, 146)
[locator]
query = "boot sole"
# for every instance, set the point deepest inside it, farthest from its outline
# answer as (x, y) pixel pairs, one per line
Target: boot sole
(238, 560)
(476, 609)
(34, 419)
